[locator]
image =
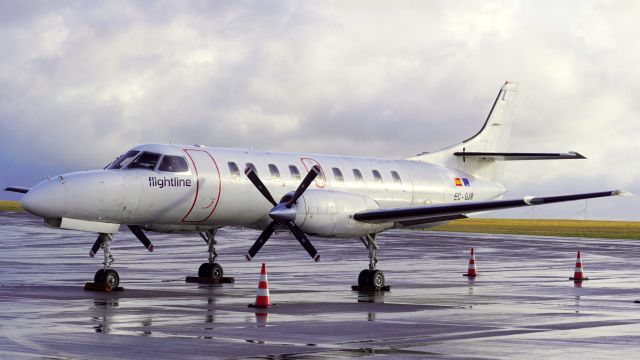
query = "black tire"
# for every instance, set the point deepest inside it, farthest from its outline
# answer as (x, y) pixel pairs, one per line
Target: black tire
(377, 279)
(99, 278)
(216, 272)
(204, 270)
(364, 278)
(111, 278)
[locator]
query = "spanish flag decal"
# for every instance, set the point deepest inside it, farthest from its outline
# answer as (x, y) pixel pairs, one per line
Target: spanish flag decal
(462, 182)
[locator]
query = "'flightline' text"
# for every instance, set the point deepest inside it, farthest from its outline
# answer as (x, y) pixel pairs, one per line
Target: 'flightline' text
(168, 182)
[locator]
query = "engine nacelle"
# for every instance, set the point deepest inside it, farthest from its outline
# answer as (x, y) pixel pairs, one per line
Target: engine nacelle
(330, 214)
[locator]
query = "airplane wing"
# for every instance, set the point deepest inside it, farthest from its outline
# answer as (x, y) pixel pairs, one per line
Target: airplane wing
(444, 212)
(18, 189)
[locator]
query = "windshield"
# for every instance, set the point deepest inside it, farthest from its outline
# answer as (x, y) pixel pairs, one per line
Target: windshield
(123, 160)
(173, 164)
(147, 160)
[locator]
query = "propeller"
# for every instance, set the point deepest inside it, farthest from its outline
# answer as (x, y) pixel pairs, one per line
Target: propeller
(96, 246)
(282, 213)
(135, 229)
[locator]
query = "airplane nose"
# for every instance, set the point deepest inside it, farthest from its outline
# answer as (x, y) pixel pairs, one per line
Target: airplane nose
(48, 199)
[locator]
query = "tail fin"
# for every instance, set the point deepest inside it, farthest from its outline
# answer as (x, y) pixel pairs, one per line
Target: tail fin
(496, 131)
(494, 136)
(482, 155)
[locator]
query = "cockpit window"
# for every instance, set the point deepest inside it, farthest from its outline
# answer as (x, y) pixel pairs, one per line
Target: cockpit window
(171, 163)
(123, 160)
(147, 160)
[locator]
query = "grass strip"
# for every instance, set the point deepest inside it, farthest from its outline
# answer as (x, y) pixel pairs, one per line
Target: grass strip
(568, 228)
(10, 206)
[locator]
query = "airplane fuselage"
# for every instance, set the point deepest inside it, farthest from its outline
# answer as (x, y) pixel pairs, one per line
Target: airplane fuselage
(213, 190)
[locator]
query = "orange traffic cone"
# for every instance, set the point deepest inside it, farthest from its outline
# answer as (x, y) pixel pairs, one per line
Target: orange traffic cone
(262, 296)
(472, 266)
(578, 275)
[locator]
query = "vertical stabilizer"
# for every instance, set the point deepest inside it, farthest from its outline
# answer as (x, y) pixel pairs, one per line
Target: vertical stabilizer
(493, 136)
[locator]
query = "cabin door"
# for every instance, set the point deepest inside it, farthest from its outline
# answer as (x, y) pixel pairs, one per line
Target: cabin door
(208, 186)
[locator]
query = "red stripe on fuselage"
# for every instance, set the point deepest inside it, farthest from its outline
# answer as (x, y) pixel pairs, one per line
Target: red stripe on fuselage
(195, 199)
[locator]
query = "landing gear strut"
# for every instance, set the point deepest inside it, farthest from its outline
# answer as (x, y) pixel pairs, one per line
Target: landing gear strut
(105, 278)
(371, 278)
(211, 269)
(210, 272)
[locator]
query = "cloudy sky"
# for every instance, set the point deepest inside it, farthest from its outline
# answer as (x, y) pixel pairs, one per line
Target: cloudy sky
(80, 82)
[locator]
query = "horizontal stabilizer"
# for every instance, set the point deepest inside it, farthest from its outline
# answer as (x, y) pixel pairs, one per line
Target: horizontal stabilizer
(440, 212)
(510, 156)
(18, 189)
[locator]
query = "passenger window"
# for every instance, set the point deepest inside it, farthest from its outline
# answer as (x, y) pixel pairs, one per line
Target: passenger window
(376, 176)
(396, 177)
(358, 175)
(295, 173)
(175, 164)
(123, 160)
(252, 167)
(275, 173)
(234, 169)
(146, 161)
(338, 174)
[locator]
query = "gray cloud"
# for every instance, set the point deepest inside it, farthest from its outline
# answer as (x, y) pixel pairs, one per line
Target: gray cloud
(80, 83)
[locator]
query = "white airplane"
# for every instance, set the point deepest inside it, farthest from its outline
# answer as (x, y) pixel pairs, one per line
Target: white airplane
(177, 188)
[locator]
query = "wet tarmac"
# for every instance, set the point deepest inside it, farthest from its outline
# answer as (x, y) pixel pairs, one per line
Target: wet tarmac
(521, 305)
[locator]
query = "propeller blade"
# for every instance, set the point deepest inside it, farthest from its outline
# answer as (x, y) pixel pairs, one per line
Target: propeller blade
(264, 236)
(141, 236)
(96, 246)
(255, 180)
(302, 238)
(315, 170)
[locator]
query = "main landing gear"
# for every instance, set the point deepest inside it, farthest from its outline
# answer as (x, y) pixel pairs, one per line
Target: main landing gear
(210, 272)
(371, 279)
(105, 279)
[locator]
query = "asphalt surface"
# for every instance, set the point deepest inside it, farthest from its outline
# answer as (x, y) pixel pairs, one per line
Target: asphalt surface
(521, 305)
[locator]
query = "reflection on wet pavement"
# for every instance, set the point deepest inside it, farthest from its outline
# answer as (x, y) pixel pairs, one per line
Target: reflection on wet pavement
(520, 305)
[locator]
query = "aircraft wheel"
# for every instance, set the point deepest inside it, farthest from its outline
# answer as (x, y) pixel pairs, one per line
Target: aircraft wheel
(216, 272)
(204, 270)
(364, 278)
(98, 278)
(111, 278)
(377, 279)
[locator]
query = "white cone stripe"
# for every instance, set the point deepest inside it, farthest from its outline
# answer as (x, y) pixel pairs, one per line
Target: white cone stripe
(263, 292)
(263, 278)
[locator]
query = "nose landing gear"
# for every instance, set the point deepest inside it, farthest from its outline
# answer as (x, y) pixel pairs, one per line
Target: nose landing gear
(105, 279)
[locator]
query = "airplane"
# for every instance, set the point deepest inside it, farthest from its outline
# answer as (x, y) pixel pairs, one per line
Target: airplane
(198, 189)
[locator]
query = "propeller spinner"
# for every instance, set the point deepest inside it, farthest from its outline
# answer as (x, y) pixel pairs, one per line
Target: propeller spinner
(282, 214)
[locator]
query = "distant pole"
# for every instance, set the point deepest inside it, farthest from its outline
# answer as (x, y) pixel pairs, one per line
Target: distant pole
(585, 211)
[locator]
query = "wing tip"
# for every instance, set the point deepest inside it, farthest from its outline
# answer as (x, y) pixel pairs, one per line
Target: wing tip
(577, 155)
(621, 193)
